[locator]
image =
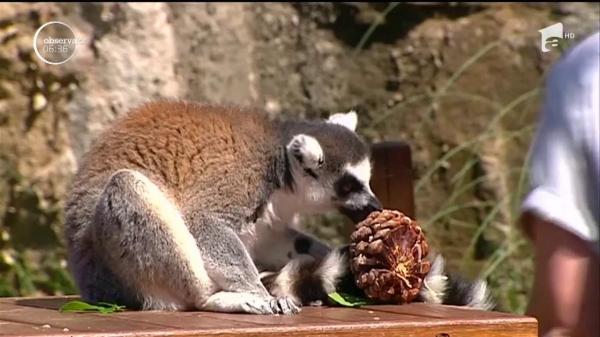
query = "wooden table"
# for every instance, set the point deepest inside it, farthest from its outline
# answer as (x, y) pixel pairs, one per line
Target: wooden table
(40, 317)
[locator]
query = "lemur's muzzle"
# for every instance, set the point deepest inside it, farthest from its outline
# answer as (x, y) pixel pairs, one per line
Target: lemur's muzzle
(359, 214)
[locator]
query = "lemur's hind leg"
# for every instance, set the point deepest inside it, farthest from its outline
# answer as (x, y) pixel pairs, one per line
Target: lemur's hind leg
(141, 236)
(229, 264)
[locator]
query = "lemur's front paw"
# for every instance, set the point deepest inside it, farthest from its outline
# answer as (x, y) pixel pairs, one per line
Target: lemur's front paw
(269, 305)
(254, 304)
(285, 305)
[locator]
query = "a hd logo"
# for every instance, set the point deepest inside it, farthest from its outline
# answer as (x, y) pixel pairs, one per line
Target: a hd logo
(552, 36)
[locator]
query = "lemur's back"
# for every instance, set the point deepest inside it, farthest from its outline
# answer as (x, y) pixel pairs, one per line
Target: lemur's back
(196, 153)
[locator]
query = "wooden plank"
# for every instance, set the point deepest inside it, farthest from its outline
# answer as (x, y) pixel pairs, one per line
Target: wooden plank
(418, 320)
(185, 320)
(7, 306)
(282, 320)
(392, 179)
(447, 312)
(318, 317)
(75, 322)
(467, 322)
(53, 303)
(19, 329)
(359, 315)
(160, 319)
(381, 330)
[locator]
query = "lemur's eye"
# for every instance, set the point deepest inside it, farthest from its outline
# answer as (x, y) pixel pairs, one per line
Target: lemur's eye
(320, 163)
(347, 188)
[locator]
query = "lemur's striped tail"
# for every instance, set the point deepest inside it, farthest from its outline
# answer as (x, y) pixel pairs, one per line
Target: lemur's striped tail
(308, 282)
(443, 288)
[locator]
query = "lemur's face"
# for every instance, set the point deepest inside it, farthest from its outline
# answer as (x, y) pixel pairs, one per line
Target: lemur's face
(332, 169)
(353, 195)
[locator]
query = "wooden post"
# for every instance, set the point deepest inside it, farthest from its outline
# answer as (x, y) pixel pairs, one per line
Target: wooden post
(392, 179)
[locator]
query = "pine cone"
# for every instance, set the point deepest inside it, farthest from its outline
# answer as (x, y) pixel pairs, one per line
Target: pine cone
(388, 253)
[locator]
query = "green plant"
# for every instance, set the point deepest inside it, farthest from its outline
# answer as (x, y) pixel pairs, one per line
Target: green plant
(101, 307)
(32, 259)
(348, 300)
(379, 21)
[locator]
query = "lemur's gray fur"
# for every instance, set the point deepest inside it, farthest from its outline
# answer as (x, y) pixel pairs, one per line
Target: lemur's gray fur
(173, 207)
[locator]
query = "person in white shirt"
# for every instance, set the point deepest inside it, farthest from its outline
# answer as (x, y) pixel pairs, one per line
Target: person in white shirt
(561, 211)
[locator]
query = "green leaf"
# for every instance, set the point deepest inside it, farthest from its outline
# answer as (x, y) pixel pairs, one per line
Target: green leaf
(112, 306)
(80, 306)
(77, 306)
(348, 300)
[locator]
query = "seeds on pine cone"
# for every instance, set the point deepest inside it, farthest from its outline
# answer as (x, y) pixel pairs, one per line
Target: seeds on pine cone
(388, 253)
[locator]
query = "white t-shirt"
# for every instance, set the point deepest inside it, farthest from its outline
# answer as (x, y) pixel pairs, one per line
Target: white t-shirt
(565, 162)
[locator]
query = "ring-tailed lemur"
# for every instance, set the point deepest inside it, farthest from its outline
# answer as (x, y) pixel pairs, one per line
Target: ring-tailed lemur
(177, 204)
(170, 206)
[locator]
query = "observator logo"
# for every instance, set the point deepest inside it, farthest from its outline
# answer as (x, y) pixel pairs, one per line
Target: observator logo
(55, 42)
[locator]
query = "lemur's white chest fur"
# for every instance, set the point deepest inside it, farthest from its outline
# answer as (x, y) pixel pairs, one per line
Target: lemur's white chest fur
(308, 196)
(284, 207)
(281, 211)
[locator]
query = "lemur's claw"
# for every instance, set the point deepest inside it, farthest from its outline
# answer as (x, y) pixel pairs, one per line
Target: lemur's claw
(285, 306)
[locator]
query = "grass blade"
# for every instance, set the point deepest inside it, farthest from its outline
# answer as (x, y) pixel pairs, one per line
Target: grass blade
(380, 20)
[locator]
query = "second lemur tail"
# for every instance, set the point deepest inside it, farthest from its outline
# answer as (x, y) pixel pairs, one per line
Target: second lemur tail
(444, 288)
(308, 282)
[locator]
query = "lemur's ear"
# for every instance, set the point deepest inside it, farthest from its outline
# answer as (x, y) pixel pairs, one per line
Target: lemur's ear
(306, 152)
(348, 120)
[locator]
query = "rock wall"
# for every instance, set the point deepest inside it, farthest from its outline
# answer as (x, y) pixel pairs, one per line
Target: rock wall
(456, 81)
